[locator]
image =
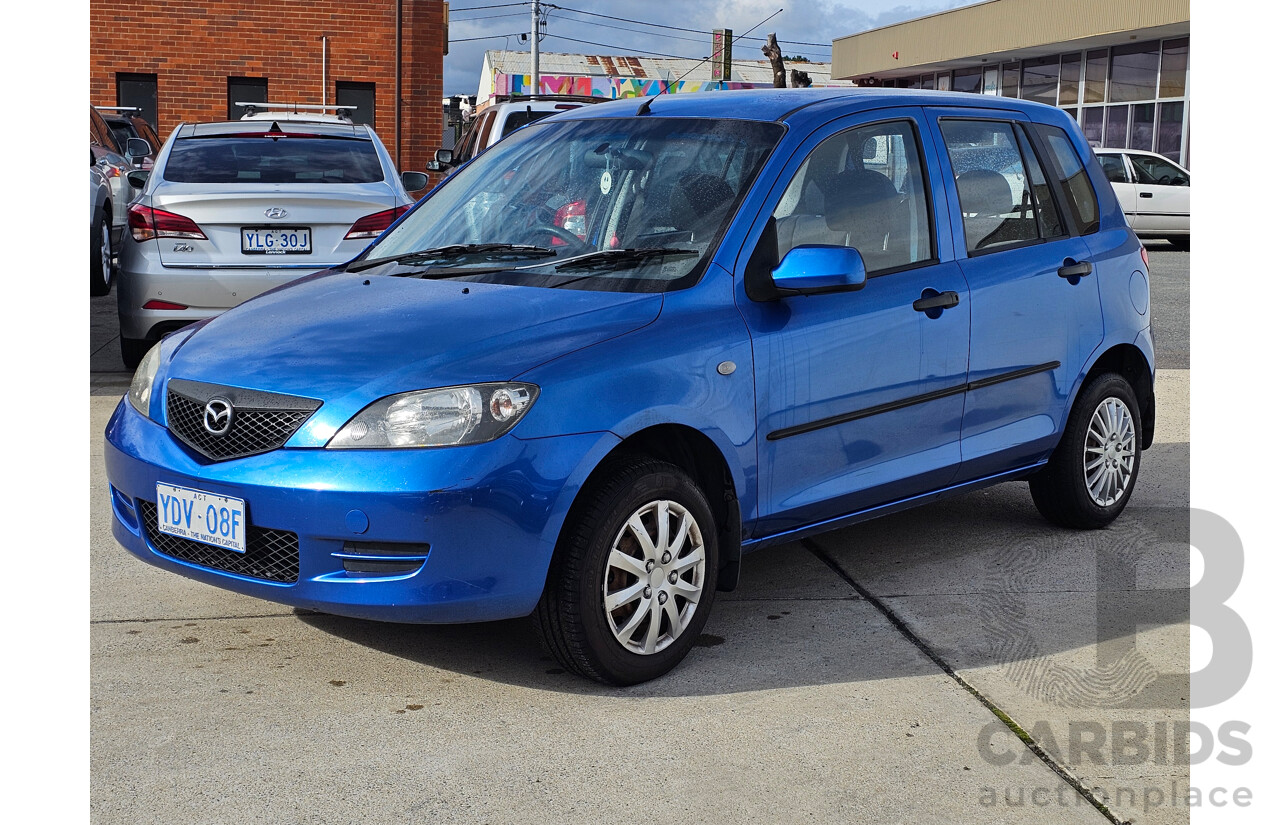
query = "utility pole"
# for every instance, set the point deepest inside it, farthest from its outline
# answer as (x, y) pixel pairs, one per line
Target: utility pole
(533, 48)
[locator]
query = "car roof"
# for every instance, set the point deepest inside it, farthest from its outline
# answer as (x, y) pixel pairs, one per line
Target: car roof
(783, 104)
(258, 127)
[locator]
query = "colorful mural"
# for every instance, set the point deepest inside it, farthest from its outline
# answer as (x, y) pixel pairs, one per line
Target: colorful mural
(610, 88)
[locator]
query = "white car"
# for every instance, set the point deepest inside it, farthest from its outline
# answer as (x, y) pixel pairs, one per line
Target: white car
(494, 123)
(1154, 192)
(233, 209)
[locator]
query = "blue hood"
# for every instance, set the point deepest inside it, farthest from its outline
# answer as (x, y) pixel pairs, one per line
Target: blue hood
(348, 340)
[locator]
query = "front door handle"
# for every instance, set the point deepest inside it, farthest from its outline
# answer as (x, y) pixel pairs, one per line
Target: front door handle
(1146, 195)
(943, 300)
(1073, 269)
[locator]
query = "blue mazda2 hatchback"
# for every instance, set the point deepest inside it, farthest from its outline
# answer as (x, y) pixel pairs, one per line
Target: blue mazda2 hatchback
(630, 343)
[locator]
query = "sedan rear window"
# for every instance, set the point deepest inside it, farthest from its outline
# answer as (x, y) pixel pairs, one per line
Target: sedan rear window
(273, 160)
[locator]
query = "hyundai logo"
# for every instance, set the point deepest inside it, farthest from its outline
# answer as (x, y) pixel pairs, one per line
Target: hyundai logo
(217, 416)
(276, 212)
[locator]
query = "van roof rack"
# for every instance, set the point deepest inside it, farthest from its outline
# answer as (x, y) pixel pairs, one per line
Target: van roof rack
(118, 108)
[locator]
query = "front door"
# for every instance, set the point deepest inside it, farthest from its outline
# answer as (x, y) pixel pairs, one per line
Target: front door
(859, 395)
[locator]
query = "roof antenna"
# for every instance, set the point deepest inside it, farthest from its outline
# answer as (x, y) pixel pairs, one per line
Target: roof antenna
(644, 107)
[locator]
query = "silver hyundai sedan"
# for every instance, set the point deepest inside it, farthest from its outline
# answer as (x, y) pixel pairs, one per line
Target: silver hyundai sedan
(233, 209)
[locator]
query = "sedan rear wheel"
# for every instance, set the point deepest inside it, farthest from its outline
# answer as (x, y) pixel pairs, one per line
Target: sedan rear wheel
(100, 266)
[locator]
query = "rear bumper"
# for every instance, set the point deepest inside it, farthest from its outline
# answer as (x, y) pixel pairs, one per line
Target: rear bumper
(204, 291)
(490, 515)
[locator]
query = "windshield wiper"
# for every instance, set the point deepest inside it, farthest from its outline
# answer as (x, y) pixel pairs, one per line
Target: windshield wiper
(487, 251)
(606, 258)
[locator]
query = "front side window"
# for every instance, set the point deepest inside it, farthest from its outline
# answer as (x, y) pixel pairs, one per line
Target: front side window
(1158, 171)
(863, 188)
(996, 197)
(266, 159)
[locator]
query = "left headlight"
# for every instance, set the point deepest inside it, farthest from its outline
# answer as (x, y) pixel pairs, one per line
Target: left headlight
(446, 417)
(143, 380)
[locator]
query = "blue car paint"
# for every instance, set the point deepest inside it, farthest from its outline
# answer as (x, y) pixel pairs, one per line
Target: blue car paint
(613, 365)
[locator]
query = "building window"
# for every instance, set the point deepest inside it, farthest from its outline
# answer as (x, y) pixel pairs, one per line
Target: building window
(1169, 133)
(1091, 124)
(139, 90)
(1040, 80)
(1142, 126)
(1173, 67)
(1133, 72)
(244, 90)
(359, 95)
(1117, 133)
(1009, 74)
(1069, 92)
(966, 80)
(1095, 76)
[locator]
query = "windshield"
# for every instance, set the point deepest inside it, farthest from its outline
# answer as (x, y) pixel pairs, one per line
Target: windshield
(634, 204)
(266, 159)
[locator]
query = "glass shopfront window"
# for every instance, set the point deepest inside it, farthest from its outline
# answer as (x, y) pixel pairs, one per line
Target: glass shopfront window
(1134, 69)
(1009, 74)
(1117, 133)
(1091, 124)
(1095, 76)
(1169, 134)
(966, 80)
(1040, 80)
(1069, 90)
(1142, 126)
(1173, 67)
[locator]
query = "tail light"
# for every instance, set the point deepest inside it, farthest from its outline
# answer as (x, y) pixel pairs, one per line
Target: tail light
(371, 226)
(1145, 261)
(146, 223)
(571, 217)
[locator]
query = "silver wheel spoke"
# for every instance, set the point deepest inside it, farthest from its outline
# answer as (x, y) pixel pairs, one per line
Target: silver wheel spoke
(673, 616)
(615, 600)
(663, 517)
(642, 535)
(655, 624)
(682, 535)
(627, 563)
(683, 564)
(1110, 446)
(687, 591)
(625, 632)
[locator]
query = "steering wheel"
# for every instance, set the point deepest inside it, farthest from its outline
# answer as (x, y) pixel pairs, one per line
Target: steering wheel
(1165, 179)
(576, 246)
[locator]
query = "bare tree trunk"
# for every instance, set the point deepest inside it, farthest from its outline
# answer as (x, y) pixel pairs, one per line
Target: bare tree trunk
(771, 51)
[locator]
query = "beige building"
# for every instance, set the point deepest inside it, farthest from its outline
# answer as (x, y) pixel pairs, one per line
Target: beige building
(1122, 69)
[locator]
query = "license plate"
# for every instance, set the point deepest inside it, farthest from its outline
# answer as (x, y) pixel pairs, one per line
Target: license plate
(275, 240)
(200, 516)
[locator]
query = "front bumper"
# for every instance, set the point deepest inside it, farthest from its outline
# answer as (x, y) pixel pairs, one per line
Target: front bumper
(490, 514)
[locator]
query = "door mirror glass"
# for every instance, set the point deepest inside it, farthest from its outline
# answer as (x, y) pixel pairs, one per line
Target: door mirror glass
(444, 157)
(808, 270)
(137, 148)
(413, 181)
(138, 178)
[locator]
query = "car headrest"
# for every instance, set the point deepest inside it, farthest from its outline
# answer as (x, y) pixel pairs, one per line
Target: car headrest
(984, 192)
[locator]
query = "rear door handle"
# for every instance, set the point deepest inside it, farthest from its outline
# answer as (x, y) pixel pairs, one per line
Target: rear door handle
(1073, 269)
(943, 300)
(1146, 195)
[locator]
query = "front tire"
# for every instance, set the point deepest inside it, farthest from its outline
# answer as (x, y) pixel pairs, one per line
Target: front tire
(133, 350)
(1091, 475)
(633, 580)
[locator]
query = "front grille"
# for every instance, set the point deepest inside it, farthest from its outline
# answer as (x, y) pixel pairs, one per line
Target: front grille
(271, 554)
(260, 422)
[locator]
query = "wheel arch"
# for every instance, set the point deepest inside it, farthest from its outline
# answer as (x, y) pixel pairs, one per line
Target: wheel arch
(1130, 363)
(697, 454)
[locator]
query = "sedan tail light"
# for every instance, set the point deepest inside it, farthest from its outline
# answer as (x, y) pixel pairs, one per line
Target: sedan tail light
(371, 226)
(146, 223)
(571, 217)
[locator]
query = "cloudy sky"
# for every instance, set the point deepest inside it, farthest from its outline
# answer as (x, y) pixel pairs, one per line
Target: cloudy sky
(804, 27)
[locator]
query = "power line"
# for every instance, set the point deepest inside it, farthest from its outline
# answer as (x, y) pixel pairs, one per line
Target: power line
(673, 28)
(485, 37)
(493, 6)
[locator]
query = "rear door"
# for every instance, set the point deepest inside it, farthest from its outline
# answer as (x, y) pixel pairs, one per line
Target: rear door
(1035, 307)
(1117, 171)
(859, 395)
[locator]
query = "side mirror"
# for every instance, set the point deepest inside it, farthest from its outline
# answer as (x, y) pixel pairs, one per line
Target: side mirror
(444, 157)
(812, 270)
(413, 181)
(138, 178)
(136, 148)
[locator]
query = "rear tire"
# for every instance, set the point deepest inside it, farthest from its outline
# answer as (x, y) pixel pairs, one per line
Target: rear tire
(132, 350)
(644, 541)
(1092, 473)
(1182, 243)
(101, 266)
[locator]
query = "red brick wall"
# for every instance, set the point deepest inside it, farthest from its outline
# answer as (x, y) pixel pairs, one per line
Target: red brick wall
(194, 46)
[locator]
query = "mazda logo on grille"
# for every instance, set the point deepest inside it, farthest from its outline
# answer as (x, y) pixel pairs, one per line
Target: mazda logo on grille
(217, 416)
(276, 212)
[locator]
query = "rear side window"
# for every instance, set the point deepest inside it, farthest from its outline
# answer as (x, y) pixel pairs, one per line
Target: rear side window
(1004, 197)
(273, 160)
(1081, 199)
(1113, 168)
(522, 118)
